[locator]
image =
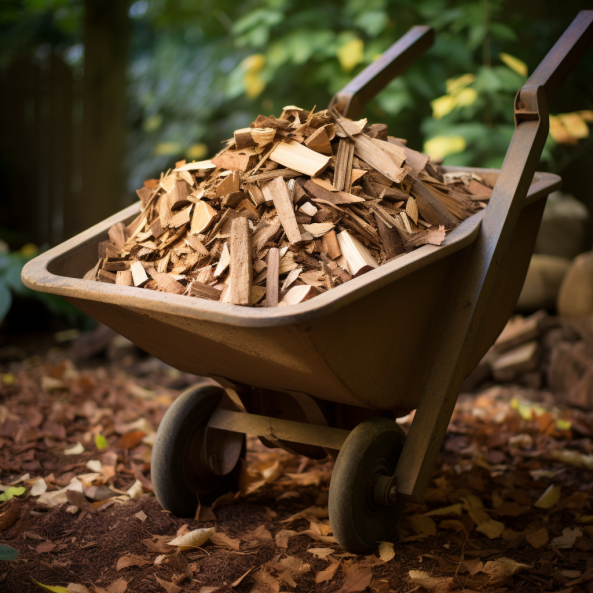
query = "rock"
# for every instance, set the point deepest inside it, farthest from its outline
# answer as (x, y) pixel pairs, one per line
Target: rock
(575, 298)
(542, 282)
(566, 228)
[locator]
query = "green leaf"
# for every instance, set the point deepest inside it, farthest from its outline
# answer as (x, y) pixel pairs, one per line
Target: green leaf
(101, 442)
(502, 32)
(12, 491)
(54, 589)
(5, 299)
(372, 22)
(8, 553)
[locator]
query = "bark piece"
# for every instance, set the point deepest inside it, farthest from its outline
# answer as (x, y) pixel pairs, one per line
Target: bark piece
(231, 183)
(203, 216)
(343, 166)
(392, 242)
(236, 159)
(320, 140)
(334, 197)
(272, 277)
(357, 256)
(430, 208)
(378, 154)
(330, 245)
(203, 291)
(241, 277)
(124, 278)
(278, 192)
(138, 274)
(299, 158)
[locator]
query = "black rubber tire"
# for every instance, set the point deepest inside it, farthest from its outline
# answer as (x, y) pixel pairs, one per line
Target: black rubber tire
(372, 449)
(179, 473)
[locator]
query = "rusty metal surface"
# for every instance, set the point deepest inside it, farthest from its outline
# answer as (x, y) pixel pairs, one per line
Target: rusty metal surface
(352, 99)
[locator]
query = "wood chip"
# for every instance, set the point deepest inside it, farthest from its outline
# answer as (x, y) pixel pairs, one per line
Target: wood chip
(300, 158)
(241, 277)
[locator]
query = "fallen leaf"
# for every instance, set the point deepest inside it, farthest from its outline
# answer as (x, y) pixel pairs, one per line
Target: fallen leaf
(537, 538)
(78, 499)
(357, 578)
(380, 586)
(436, 584)
(10, 515)
(568, 537)
(45, 547)
(74, 450)
(11, 492)
(503, 567)
(131, 560)
(283, 536)
(158, 544)
(491, 528)
(74, 588)
(326, 539)
(223, 540)
(549, 498)
(265, 583)
(194, 539)
(386, 551)
(38, 487)
(131, 439)
(454, 524)
(8, 553)
(168, 586)
(327, 574)
(141, 515)
(320, 552)
(454, 509)
(54, 589)
(422, 525)
(135, 491)
(212, 589)
(94, 465)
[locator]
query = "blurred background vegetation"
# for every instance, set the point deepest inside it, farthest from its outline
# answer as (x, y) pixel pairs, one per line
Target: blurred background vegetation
(195, 70)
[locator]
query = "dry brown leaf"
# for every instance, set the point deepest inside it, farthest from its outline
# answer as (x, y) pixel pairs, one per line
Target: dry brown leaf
(422, 525)
(568, 537)
(168, 586)
(327, 574)
(320, 552)
(223, 540)
(131, 560)
(265, 583)
(193, 539)
(454, 524)
(158, 544)
(357, 578)
(538, 538)
(549, 498)
(503, 567)
(9, 516)
(434, 584)
(326, 539)
(283, 536)
(118, 586)
(45, 547)
(386, 551)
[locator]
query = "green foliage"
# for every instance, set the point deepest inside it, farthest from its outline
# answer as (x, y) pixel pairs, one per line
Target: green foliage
(11, 265)
(8, 553)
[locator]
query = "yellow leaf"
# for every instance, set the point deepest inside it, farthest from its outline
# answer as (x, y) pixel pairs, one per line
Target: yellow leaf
(351, 54)
(492, 529)
(101, 442)
(422, 525)
(29, 249)
(7, 379)
(440, 146)
(466, 97)
(253, 83)
(586, 114)
(12, 492)
(503, 567)
(456, 84)
(254, 63)
(386, 551)
(443, 105)
(454, 509)
(56, 589)
(197, 151)
(575, 125)
(514, 63)
(167, 148)
(549, 498)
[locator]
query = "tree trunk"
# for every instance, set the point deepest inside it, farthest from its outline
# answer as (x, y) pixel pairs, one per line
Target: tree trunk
(107, 32)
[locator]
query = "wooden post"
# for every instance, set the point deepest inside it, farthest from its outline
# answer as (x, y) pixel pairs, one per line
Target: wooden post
(106, 49)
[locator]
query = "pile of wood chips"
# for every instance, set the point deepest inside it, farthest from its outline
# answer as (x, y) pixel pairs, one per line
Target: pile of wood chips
(289, 209)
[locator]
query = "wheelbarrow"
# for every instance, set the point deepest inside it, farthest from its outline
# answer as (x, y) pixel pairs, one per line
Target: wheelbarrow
(330, 375)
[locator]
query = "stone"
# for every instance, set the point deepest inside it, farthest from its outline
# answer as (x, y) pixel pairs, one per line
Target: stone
(542, 283)
(575, 298)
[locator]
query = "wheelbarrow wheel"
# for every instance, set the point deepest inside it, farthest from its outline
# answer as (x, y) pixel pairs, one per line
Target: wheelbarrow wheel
(371, 450)
(180, 471)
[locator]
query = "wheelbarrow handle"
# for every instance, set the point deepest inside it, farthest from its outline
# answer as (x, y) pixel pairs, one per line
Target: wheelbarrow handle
(477, 282)
(554, 68)
(351, 100)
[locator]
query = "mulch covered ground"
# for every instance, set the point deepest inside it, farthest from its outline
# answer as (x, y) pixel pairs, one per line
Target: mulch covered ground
(509, 507)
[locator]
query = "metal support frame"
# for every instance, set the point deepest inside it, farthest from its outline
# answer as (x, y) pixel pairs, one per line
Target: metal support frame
(276, 429)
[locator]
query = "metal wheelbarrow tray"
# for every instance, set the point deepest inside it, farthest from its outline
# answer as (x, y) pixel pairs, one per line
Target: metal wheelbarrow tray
(325, 376)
